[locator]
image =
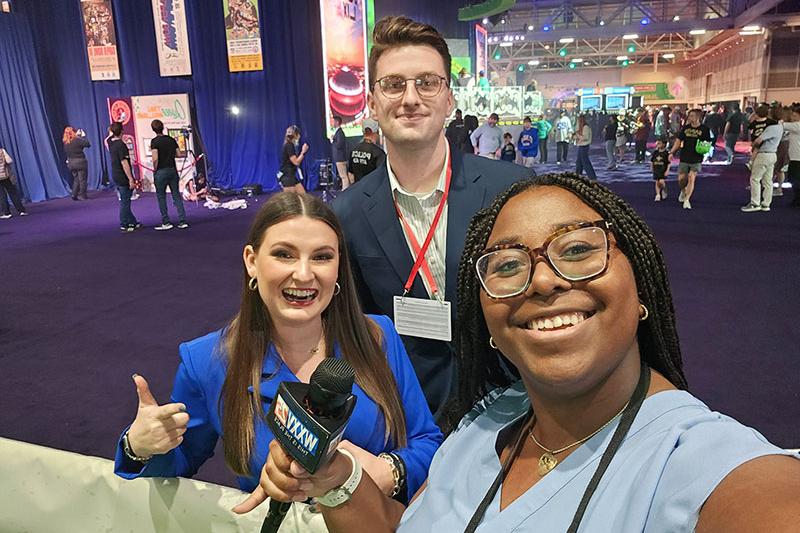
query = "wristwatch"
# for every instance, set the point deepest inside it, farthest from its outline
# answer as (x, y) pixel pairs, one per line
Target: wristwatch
(338, 496)
(126, 447)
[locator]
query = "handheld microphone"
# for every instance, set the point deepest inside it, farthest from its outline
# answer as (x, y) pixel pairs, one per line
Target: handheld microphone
(308, 421)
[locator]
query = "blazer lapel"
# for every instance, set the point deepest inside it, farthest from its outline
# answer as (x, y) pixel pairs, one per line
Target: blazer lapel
(467, 194)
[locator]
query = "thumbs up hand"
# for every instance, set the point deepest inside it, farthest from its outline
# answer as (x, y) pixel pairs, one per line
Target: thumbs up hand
(157, 429)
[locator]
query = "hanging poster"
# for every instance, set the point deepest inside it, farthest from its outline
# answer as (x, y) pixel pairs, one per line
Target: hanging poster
(243, 35)
(101, 41)
(481, 51)
(120, 110)
(344, 55)
(172, 40)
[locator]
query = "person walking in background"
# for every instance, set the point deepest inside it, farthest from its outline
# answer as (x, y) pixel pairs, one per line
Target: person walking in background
(733, 131)
(610, 141)
(163, 149)
(583, 139)
(528, 143)
(508, 152)
(74, 144)
(564, 133)
(365, 157)
(488, 139)
(641, 134)
(623, 130)
(675, 122)
(291, 161)
(659, 165)
(661, 122)
(544, 127)
(8, 186)
(691, 161)
(457, 134)
(339, 152)
(122, 175)
(470, 125)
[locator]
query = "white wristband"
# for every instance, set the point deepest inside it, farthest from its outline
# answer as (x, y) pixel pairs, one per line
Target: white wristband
(340, 495)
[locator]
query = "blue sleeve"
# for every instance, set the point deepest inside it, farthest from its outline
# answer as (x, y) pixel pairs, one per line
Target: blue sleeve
(519, 140)
(198, 441)
(423, 435)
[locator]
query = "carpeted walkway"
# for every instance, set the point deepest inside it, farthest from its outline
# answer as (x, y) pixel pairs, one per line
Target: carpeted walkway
(84, 306)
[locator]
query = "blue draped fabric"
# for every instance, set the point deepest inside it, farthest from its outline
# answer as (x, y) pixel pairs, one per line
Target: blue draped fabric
(240, 150)
(23, 118)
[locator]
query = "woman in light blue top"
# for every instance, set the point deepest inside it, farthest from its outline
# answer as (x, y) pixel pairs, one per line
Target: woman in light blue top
(562, 284)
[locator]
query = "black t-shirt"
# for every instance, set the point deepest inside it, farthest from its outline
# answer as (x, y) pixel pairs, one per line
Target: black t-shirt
(365, 158)
(660, 160)
(119, 153)
(735, 121)
(690, 135)
(610, 131)
(508, 152)
(757, 127)
(167, 148)
(74, 148)
(287, 167)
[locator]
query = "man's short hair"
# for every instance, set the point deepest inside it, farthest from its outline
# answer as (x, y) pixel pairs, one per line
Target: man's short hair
(394, 32)
(115, 128)
(506, 135)
(337, 118)
(527, 119)
(494, 116)
(458, 111)
(762, 110)
(157, 126)
(698, 112)
(367, 131)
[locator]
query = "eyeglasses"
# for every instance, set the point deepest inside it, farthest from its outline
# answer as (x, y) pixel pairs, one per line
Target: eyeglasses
(577, 252)
(427, 85)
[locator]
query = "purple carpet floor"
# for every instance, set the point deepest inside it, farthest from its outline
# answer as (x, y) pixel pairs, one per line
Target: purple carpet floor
(84, 306)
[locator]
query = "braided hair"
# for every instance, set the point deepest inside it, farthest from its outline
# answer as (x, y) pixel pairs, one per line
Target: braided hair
(482, 368)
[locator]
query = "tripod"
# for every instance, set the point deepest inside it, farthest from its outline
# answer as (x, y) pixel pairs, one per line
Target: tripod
(327, 180)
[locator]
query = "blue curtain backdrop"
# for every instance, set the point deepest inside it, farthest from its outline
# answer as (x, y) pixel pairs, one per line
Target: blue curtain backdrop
(240, 150)
(23, 119)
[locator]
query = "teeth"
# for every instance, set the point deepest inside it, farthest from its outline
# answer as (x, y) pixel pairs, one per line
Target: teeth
(553, 322)
(298, 293)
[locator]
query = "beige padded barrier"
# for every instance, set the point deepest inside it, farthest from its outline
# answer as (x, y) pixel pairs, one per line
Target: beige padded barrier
(43, 490)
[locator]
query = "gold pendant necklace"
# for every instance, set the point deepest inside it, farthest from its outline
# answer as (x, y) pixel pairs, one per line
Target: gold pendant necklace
(548, 460)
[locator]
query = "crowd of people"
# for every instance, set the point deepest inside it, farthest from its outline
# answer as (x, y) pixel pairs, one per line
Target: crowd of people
(554, 395)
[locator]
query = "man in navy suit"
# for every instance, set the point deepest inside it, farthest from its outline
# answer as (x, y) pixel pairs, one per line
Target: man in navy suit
(410, 97)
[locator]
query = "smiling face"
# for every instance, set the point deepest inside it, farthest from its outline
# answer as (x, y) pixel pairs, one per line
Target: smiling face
(566, 337)
(296, 265)
(410, 120)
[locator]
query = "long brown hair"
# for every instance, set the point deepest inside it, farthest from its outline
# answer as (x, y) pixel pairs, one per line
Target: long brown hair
(69, 135)
(344, 324)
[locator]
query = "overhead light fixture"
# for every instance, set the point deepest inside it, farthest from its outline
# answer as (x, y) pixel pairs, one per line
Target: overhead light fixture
(577, 60)
(235, 111)
(622, 58)
(602, 22)
(753, 27)
(562, 52)
(502, 21)
(521, 37)
(572, 65)
(546, 27)
(697, 32)
(676, 18)
(750, 32)
(668, 56)
(631, 36)
(533, 62)
(530, 27)
(506, 44)
(497, 56)
(521, 67)
(566, 40)
(645, 21)
(485, 21)
(631, 49)
(547, 47)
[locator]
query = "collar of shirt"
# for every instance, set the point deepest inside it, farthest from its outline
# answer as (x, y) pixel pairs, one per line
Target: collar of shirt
(422, 197)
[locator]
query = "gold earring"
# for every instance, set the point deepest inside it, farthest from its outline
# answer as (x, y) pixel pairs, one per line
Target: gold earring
(643, 313)
(492, 343)
(252, 284)
(337, 288)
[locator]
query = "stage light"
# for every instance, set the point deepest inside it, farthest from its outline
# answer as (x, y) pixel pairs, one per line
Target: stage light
(749, 33)
(754, 27)
(530, 27)
(235, 110)
(566, 40)
(521, 68)
(631, 48)
(602, 22)
(622, 58)
(697, 32)
(562, 52)
(668, 56)
(630, 36)
(625, 63)
(572, 65)
(533, 62)
(521, 37)
(506, 44)
(497, 56)
(502, 21)
(676, 18)
(577, 60)
(485, 21)
(645, 21)
(546, 27)
(547, 47)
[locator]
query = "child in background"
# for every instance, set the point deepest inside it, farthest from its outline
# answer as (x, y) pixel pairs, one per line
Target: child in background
(659, 164)
(508, 152)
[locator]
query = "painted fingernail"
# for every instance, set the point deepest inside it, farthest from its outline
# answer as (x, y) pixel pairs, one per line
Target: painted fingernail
(182, 408)
(134, 375)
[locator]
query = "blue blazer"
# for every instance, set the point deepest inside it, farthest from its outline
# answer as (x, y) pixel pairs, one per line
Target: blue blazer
(381, 259)
(198, 385)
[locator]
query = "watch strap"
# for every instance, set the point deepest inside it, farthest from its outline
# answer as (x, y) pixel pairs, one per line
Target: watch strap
(340, 495)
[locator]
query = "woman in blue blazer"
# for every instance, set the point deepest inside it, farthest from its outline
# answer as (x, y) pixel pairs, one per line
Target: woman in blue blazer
(299, 306)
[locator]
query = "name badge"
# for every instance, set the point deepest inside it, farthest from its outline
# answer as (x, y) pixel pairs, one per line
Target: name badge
(429, 319)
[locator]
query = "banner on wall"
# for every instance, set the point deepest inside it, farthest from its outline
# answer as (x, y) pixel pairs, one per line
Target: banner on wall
(173, 111)
(344, 55)
(481, 51)
(120, 109)
(243, 35)
(657, 91)
(172, 40)
(101, 41)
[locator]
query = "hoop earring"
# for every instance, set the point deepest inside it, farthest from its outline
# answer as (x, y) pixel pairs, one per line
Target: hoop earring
(492, 343)
(643, 313)
(337, 288)
(252, 284)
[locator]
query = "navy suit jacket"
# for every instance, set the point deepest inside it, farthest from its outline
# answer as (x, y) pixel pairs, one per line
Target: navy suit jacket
(381, 259)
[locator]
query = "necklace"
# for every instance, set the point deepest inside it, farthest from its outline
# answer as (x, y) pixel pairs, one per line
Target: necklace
(548, 460)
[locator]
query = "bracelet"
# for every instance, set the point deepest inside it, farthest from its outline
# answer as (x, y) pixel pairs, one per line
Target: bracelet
(126, 447)
(396, 473)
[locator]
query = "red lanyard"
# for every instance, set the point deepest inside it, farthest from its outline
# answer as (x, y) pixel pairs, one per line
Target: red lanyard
(420, 251)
